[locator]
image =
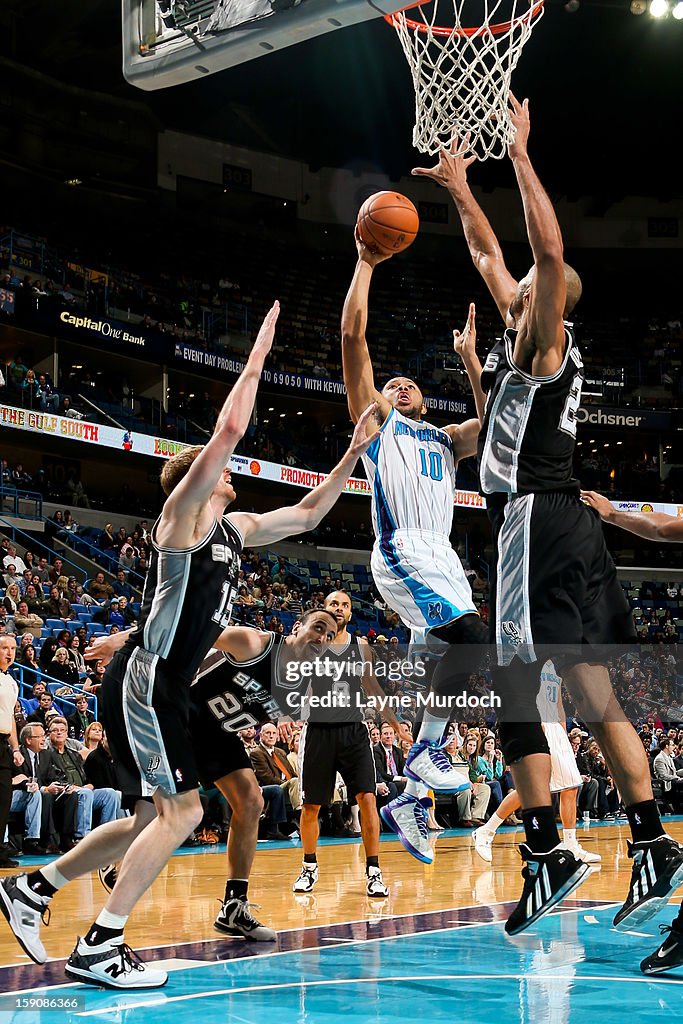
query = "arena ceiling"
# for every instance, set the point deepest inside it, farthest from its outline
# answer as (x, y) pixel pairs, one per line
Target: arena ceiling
(605, 88)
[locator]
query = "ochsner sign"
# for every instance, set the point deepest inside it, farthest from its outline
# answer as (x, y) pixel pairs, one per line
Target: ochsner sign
(610, 416)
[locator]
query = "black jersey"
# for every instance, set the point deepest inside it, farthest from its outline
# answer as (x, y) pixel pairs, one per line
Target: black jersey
(336, 686)
(188, 596)
(237, 694)
(527, 440)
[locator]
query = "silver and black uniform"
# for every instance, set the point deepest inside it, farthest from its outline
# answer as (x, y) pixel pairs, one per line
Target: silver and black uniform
(227, 696)
(554, 580)
(186, 604)
(335, 737)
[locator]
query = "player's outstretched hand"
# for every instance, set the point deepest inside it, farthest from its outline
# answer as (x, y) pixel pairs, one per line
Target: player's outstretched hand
(519, 117)
(465, 343)
(451, 169)
(369, 253)
(360, 442)
(265, 336)
(602, 505)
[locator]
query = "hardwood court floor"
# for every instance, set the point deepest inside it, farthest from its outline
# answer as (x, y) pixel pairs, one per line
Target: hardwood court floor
(441, 922)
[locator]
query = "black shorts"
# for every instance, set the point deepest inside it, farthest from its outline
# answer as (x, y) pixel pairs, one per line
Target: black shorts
(325, 750)
(555, 586)
(216, 751)
(145, 712)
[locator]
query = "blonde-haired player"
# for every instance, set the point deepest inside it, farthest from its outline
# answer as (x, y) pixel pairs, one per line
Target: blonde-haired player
(564, 778)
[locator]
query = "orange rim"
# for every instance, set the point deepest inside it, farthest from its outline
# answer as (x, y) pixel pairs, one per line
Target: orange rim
(496, 30)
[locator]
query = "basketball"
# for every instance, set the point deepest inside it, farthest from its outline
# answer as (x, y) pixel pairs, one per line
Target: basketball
(388, 222)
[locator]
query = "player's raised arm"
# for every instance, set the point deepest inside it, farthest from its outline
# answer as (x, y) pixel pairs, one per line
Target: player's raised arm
(544, 324)
(464, 435)
(189, 498)
(648, 525)
(242, 643)
(451, 173)
(288, 522)
(358, 376)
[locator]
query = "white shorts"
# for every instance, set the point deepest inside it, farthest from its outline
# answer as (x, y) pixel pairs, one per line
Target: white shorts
(564, 773)
(420, 576)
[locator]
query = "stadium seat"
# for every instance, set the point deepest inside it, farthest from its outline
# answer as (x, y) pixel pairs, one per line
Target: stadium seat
(54, 624)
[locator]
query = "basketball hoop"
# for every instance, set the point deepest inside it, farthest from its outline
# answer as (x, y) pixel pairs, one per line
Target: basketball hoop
(462, 73)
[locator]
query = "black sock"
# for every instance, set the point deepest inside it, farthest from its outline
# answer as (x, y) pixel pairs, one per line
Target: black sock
(310, 858)
(98, 934)
(40, 885)
(540, 829)
(236, 889)
(644, 821)
(371, 862)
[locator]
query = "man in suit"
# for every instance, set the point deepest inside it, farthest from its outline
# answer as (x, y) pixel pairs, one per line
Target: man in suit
(107, 801)
(59, 807)
(274, 775)
(389, 762)
(587, 798)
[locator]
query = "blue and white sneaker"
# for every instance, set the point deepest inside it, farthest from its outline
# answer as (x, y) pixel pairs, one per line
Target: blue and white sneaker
(407, 817)
(427, 763)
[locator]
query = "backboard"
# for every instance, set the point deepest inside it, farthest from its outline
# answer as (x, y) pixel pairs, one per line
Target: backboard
(167, 42)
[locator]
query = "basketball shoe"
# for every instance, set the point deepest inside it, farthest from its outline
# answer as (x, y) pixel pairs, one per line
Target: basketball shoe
(25, 911)
(482, 839)
(585, 855)
(427, 763)
(670, 953)
(376, 886)
(548, 879)
(407, 817)
(657, 872)
(108, 875)
(235, 919)
(307, 879)
(112, 965)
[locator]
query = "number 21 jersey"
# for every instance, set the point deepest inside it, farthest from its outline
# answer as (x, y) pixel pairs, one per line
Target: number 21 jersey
(526, 444)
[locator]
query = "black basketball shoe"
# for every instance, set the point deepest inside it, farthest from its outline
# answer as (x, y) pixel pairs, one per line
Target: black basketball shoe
(670, 953)
(657, 872)
(548, 878)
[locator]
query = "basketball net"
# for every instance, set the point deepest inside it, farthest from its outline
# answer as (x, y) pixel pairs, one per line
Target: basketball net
(462, 75)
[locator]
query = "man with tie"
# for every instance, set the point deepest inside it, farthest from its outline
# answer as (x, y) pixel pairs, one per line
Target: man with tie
(59, 807)
(275, 777)
(389, 762)
(9, 748)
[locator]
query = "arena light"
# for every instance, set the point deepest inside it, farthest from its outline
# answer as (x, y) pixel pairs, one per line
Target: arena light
(638, 7)
(677, 12)
(659, 8)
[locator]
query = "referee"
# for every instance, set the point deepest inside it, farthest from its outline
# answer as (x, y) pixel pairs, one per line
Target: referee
(9, 747)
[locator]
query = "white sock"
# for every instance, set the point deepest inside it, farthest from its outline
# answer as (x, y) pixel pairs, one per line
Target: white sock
(113, 921)
(493, 824)
(432, 728)
(355, 817)
(416, 789)
(52, 875)
(569, 835)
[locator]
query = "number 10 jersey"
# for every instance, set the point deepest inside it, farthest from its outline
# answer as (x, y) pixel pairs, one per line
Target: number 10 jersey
(526, 444)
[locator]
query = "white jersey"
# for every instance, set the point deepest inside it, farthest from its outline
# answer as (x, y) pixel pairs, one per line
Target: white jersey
(564, 773)
(411, 471)
(549, 694)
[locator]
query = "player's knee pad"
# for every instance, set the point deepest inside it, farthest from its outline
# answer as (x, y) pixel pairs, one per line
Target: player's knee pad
(519, 739)
(468, 629)
(467, 639)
